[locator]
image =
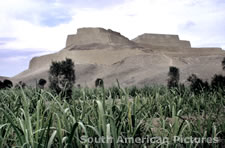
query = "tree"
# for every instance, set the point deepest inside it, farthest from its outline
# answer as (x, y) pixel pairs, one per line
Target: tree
(1, 85)
(7, 84)
(99, 82)
(78, 86)
(223, 63)
(174, 77)
(42, 83)
(62, 77)
(197, 85)
(218, 82)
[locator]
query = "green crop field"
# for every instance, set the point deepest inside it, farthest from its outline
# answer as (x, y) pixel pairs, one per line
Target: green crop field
(114, 117)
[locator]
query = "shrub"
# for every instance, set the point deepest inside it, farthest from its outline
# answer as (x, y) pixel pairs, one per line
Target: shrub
(99, 82)
(42, 83)
(62, 77)
(78, 86)
(7, 84)
(1, 84)
(218, 82)
(174, 77)
(181, 90)
(223, 63)
(21, 84)
(197, 85)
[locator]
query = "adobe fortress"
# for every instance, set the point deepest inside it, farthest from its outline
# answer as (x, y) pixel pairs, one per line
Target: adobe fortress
(145, 60)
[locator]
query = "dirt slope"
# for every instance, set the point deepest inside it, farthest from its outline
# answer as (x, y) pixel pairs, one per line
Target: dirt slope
(3, 78)
(100, 53)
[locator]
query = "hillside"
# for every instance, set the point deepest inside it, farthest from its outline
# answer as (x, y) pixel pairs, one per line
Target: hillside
(101, 53)
(3, 78)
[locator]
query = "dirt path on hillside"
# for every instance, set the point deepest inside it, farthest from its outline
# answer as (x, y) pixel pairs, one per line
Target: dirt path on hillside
(169, 58)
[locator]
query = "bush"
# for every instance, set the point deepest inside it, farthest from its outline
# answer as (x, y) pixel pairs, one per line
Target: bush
(6, 84)
(62, 77)
(223, 63)
(42, 83)
(218, 82)
(99, 82)
(197, 85)
(174, 77)
(1, 84)
(21, 84)
(78, 86)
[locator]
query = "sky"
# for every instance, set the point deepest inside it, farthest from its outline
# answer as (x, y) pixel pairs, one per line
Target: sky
(30, 28)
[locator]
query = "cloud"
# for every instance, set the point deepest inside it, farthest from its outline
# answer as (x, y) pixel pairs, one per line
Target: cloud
(36, 12)
(13, 62)
(201, 21)
(40, 24)
(49, 22)
(43, 25)
(4, 40)
(13, 59)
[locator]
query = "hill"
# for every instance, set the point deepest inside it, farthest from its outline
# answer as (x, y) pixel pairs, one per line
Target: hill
(101, 53)
(3, 78)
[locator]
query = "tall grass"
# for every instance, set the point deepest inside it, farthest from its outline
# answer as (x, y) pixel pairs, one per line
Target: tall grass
(38, 118)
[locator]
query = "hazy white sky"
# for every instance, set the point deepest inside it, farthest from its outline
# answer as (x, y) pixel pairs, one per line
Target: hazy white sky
(34, 27)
